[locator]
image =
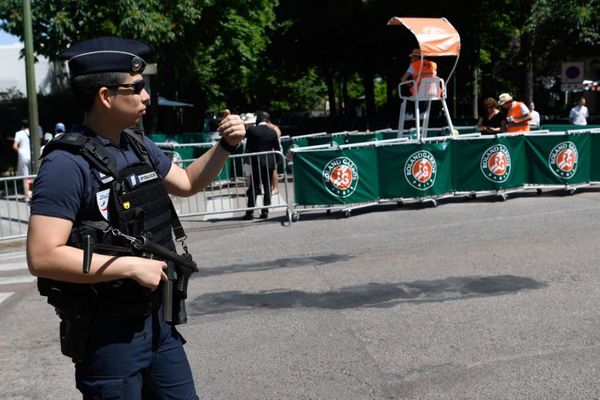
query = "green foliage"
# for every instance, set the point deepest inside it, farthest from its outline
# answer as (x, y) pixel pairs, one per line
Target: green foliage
(229, 47)
(291, 55)
(59, 23)
(380, 92)
(305, 92)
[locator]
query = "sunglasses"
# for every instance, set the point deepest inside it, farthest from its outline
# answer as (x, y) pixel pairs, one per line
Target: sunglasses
(137, 86)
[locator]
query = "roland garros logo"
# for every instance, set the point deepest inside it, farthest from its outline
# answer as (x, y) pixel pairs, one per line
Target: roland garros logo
(340, 176)
(420, 170)
(563, 160)
(495, 163)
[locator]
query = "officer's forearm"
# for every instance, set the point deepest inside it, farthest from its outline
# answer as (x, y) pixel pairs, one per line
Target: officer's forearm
(203, 170)
(64, 263)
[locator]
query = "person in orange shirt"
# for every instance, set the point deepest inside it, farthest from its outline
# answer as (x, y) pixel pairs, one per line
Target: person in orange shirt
(517, 114)
(419, 69)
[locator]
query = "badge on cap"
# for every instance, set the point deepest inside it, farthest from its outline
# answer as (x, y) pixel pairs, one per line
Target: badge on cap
(136, 64)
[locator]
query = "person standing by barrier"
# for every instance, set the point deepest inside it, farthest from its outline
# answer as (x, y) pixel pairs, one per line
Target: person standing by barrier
(102, 192)
(275, 176)
(22, 145)
(535, 121)
(261, 138)
(517, 114)
(579, 114)
(490, 123)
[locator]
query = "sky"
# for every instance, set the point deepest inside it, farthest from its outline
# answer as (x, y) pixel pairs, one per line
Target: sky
(7, 38)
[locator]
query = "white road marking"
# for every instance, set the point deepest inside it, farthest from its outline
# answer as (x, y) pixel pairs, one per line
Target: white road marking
(14, 266)
(9, 280)
(5, 295)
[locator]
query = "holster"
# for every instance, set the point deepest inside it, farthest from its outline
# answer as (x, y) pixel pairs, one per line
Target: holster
(74, 336)
(179, 297)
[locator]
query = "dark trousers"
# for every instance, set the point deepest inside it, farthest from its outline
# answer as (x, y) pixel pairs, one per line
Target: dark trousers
(136, 359)
(261, 174)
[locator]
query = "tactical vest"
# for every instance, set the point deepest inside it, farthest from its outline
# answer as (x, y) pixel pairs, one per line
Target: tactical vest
(133, 201)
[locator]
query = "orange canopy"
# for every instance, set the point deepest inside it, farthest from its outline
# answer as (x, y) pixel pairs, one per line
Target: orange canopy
(436, 36)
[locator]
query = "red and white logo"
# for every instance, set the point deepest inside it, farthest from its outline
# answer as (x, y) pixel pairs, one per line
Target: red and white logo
(340, 176)
(420, 170)
(495, 163)
(563, 160)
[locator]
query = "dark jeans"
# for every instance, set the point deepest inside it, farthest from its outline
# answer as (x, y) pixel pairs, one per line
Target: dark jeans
(261, 174)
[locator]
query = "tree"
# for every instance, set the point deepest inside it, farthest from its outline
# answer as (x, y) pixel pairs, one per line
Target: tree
(57, 24)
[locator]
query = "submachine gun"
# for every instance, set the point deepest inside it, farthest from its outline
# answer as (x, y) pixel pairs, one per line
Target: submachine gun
(179, 266)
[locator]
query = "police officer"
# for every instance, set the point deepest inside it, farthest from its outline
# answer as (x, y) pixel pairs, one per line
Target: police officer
(111, 320)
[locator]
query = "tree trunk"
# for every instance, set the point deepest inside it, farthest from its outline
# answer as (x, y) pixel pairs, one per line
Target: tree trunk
(369, 91)
(528, 68)
(345, 102)
(331, 92)
(392, 96)
(475, 93)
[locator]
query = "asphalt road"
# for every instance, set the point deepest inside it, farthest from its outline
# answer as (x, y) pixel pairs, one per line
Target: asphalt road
(476, 299)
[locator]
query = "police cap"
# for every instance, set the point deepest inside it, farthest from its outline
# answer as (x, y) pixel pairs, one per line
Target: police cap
(106, 54)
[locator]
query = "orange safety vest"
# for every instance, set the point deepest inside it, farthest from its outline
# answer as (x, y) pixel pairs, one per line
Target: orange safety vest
(515, 112)
(429, 71)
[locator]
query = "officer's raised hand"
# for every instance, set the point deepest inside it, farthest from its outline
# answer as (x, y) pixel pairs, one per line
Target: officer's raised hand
(232, 129)
(189, 181)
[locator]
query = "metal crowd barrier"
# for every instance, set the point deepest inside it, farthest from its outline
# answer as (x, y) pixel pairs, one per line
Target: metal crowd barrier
(222, 198)
(227, 194)
(14, 209)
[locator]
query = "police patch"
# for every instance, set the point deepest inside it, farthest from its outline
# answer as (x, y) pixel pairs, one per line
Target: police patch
(102, 199)
(420, 170)
(495, 163)
(340, 177)
(135, 180)
(563, 160)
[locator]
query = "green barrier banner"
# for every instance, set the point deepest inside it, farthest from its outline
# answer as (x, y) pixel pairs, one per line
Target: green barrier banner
(559, 159)
(336, 176)
(563, 128)
(489, 164)
(300, 142)
(385, 135)
(595, 160)
(320, 140)
(359, 138)
(415, 170)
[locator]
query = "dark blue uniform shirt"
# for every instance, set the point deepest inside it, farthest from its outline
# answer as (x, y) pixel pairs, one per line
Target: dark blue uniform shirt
(66, 184)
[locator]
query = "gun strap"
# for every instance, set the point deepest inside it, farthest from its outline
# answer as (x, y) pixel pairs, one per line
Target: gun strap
(177, 227)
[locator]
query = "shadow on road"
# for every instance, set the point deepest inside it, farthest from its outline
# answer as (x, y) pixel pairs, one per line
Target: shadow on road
(369, 295)
(275, 264)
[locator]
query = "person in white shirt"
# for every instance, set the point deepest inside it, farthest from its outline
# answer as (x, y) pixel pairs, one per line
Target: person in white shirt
(22, 146)
(534, 122)
(579, 113)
